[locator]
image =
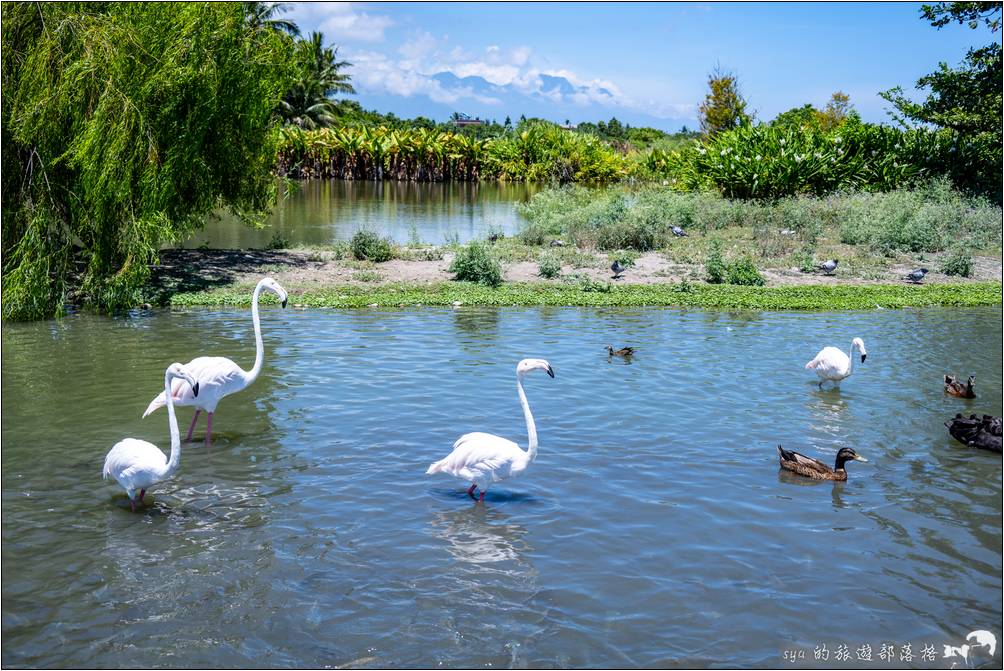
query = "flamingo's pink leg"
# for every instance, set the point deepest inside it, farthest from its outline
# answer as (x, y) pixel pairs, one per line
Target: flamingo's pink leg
(141, 493)
(132, 505)
(192, 427)
(470, 490)
(209, 428)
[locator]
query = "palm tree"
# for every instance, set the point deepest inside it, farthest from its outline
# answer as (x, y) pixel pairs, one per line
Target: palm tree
(261, 15)
(308, 103)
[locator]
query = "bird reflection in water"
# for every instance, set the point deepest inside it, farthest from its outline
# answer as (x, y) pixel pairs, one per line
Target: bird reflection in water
(480, 535)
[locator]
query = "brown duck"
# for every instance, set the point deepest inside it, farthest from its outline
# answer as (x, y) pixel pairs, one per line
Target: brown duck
(815, 469)
(623, 351)
(984, 433)
(955, 388)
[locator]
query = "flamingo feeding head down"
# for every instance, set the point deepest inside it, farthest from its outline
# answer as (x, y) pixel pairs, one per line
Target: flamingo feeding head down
(832, 365)
(217, 375)
(137, 464)
(484, 458)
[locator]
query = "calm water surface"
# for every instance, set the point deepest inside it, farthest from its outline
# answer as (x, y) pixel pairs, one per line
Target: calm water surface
(654, 528)
(319, 212)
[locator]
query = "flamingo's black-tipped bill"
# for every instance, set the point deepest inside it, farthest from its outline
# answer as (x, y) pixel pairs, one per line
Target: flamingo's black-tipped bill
(284, 302)
(550, 371)
(195, 389)
(863, 358)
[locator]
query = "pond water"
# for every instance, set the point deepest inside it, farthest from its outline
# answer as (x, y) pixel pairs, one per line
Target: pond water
(654, 528)
(319, 212)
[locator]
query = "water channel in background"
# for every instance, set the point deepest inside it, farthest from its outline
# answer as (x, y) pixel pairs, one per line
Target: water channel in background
(654, 528)
(319, 212)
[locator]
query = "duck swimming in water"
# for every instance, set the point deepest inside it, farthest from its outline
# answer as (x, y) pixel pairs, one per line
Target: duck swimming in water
(815, 469)
(623, 351)
(955, 388)
(984, 433)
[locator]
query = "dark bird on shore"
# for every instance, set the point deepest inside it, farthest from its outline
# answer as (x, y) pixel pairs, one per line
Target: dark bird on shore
(618, 268)
(828, 267)
(679, 232)
(983, 433)
(917, 275)
(557, 243)
(495, 237)
(623, 351)
(815, 469)
(955, 388)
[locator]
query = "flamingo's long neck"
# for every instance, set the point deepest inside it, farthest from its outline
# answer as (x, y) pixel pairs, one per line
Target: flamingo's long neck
(850, 359)
(172, 421)
(259, 356)
(531, 429)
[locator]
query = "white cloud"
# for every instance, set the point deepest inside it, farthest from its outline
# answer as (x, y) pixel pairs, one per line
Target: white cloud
(340, 21)
(423, 55)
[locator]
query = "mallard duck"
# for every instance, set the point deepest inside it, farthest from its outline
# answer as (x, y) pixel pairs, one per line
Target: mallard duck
(955, 388)
(815, 469)
(623, 351)
(983, 433)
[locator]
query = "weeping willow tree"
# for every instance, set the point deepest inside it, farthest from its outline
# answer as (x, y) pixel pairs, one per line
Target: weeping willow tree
(123, 126)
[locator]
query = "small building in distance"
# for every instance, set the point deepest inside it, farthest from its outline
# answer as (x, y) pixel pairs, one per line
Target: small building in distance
(461, 119)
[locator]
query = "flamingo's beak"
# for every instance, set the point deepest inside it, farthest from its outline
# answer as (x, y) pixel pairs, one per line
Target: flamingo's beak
(284, 301)
(195, 389)
(863, 358)
(550, 371)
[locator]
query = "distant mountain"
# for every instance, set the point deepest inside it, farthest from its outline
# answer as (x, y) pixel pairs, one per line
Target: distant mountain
(548, 97)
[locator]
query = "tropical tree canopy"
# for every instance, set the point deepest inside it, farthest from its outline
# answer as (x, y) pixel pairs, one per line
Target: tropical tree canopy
(123, 126)
(965, 99)
(308, 103)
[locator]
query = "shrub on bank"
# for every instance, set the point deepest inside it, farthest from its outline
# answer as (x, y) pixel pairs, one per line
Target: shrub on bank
(368, 246)
(476, 263)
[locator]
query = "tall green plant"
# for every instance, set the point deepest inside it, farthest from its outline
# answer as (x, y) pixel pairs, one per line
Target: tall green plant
(124, 125)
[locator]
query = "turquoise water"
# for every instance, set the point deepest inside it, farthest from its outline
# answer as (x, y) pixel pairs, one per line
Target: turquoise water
(654, 528)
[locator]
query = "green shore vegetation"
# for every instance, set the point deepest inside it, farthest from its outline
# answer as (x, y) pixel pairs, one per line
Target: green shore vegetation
(126, 124)
(682, 294)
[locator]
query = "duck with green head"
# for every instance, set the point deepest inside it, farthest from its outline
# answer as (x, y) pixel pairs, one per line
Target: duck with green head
(815, 469)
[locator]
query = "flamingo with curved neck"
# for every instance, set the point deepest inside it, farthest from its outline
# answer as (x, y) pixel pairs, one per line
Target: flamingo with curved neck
(484, 458)
(833, 365)
(219, 376)
(137, 464)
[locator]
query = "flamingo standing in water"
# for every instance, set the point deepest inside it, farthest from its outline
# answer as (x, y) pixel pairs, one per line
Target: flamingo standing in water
(217, 375)
(833, 365)
(484, 458)
(137, 464)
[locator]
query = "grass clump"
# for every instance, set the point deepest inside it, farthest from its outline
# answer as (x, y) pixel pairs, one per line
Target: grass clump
(958, 262)
(714, 267)
(743, 272)
(476, 263)
(368, 246)
(549, 266)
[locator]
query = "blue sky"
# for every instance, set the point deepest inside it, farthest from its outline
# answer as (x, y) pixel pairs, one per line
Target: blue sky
(646, 63)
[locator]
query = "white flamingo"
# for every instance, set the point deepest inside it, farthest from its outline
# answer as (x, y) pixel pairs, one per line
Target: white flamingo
(217, 375)
(833, 365)
(137, 464)
(483, 458)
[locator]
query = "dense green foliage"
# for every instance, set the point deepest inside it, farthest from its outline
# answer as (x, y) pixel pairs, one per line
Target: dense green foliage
(368, 246)
(124, 125)
(958, 262)
(928, 218)
(722, 297)
(536, 152)
(477, 263)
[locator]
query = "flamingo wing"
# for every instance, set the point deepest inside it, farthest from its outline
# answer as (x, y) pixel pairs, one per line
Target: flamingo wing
(829, 363)
(480, 456)
(134, 464)
(217, 377)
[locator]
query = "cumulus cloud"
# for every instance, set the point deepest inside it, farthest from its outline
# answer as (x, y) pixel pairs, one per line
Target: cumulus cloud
(341, 21)
(410, 71)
